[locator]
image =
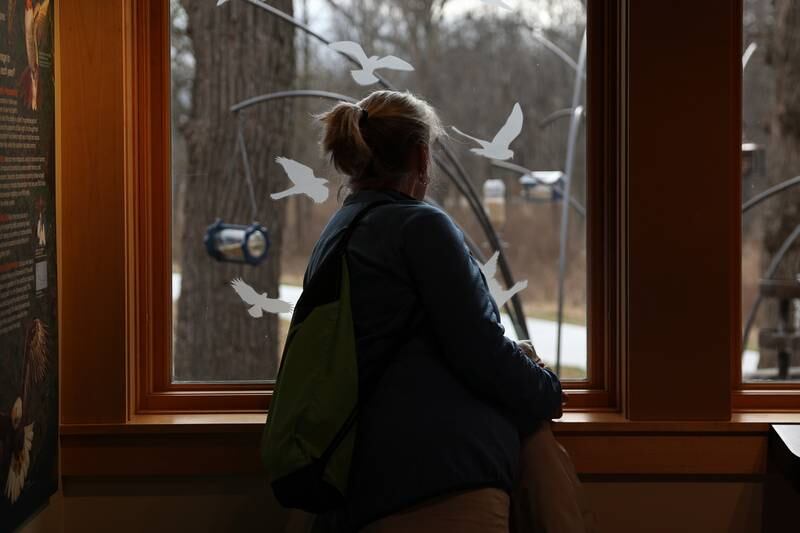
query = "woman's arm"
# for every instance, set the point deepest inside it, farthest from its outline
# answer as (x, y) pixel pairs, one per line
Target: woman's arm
(460, 310)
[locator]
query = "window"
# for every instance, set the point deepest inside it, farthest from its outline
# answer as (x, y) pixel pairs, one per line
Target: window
(647, 311)
(472, 61)
(771, 192)
(198, 344)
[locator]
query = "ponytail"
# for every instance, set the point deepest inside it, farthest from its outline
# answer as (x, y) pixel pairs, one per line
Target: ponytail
(343, 138)
(371, 140)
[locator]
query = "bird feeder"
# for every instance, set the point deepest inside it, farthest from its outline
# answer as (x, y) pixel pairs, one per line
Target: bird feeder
(754, 164)
(233, 243)
(542, 185)
(494, 201)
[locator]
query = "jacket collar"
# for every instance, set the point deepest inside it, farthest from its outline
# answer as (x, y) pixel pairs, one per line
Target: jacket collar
(370, 195)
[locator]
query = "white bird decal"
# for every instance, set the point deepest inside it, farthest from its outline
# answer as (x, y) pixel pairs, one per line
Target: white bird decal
(305, 182)
(365, 75)
(497, 3)
(16, 428)
(500, 296)
(498, 148)
(259, 303)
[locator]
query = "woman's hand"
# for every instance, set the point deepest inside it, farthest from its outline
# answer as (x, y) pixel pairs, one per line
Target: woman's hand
(527, 347)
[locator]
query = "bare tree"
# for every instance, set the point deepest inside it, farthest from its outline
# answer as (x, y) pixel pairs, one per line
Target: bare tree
(239, 52)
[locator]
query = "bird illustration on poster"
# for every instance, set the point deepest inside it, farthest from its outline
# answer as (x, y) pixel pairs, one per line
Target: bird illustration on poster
(500, 295)
(36, 33)
(498, 148)
(305, 182)
(17, 426)
(260, 303)
(365, 75)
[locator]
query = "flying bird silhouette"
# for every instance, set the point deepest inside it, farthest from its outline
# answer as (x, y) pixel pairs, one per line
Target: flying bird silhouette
(365, 75)
(304, 181)
(16, 427)
(497, 3)
(498, 148)
(259, 303)
(500, 296)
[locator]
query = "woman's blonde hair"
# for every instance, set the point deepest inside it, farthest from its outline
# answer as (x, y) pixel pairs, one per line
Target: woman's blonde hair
(371, 139)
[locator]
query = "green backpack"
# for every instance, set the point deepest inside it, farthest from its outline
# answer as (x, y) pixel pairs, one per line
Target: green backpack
(308, 440)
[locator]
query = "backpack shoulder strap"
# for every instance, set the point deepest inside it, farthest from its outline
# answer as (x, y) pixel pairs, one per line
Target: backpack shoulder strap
(351, 226)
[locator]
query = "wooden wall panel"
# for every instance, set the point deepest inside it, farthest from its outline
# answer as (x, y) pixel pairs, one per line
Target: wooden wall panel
(91, 161)
(684, 176)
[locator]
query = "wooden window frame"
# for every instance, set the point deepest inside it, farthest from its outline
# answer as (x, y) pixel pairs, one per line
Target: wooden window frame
(111, 342)
(118, 420)
(149, 214)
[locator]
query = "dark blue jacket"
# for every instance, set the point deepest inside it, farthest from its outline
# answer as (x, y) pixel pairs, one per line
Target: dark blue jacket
(449, 409)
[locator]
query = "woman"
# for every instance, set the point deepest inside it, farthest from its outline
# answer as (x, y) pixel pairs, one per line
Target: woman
(439, 439)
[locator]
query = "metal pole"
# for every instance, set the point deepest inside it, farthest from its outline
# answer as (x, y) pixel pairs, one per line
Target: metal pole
(572, 137)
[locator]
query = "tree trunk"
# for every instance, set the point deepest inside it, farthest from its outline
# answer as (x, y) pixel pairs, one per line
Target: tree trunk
(782, 215)
(240, 52)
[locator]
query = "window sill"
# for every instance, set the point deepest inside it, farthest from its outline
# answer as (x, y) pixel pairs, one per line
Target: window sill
(601, 444)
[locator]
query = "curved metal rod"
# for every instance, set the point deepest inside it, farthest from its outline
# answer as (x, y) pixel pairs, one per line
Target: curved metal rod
(514, 310)
(494, 240)
(520, 326)
(522, 170)
(304, 27)
(572, 138)
(555, 115)
(244, 104)
(772, 191)
(473, 195)
(773, 266)
(557, 50)
(748, 53)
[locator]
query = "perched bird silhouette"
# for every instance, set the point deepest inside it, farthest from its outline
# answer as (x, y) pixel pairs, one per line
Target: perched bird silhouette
(498, 148)
(365, 75)
(490, 272)
(16, 427)
(304, 181)
(259, 302)
(497, 3)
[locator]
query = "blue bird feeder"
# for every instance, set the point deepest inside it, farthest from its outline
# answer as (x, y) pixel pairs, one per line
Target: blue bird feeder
(234, 243)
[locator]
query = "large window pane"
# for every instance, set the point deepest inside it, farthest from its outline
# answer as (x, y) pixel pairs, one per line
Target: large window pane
(771, 162)
(471, 60)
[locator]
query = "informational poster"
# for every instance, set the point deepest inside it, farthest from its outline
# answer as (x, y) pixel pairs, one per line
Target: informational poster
(28, 292)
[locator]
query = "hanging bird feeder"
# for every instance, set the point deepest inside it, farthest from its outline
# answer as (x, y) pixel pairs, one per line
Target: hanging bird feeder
(232, 243)
(542, 185)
